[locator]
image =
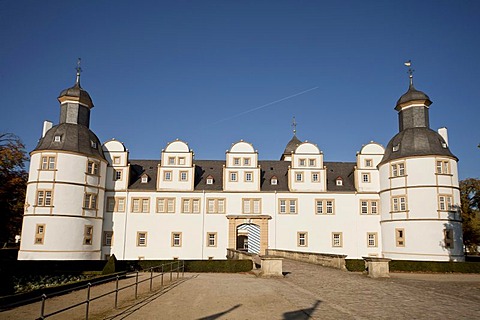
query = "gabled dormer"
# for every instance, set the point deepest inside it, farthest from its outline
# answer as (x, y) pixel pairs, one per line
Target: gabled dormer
(176, 169)
(241, 171)
(306, 171)
(118, 167)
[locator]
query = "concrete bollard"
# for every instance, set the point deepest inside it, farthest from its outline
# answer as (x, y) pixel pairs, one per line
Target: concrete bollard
(377, 267)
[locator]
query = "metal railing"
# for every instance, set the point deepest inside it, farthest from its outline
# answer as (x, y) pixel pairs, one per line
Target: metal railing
(160, 271)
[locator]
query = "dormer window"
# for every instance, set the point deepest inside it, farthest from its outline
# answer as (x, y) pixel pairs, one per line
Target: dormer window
(246, 161)
(209, 180)
(368, 163)
(302, 162)
(339, 181)
(444, 145)
(171, 161)
(311, 162)
(236, 161)
(274, 181)
(93, 144)
(396, 147)
(145, 178)
(57, 138)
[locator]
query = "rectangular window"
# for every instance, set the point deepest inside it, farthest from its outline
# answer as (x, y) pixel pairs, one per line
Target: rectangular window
(302, 162)
(142, 239)
(44, 198)
(39, 233)
(248, 177)
(246, 161)
(215, 205)
(90, 201)
(190, 205)
(399, 203)
(107, 238)
(176, 239)
(120, 202)
(366, 177)
(371, 239)
(443, 167)
(110, 204)
(183, 175)
(166, 205)
(299, 176)
(400, 237)
(181, 161)
(445, 202)
(325, 206)
(116, 160)
(398, 169)
(337, 240)
(251, 206)
(311, 163)
(368, 163)
(448, 233)
(88, 235)
(140, 205)
(315, 177)
(212, 239)
(92, 167)
(287, 206)
(48, 163)
(302, 239)
(117, 175)
(233, 176)
(171, 161)
(167, 175)
(368, 206)
(236, 161)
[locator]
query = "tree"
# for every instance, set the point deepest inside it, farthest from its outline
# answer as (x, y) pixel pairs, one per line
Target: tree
(470, 207)
(13, 182)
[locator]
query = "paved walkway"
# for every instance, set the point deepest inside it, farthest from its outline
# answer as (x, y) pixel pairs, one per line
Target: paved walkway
(309, 292)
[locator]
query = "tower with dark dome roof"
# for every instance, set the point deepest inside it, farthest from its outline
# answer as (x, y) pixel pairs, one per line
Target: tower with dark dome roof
(65, 193)
(419, 187)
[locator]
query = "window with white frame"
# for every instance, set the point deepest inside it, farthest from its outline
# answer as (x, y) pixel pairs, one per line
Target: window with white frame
(116, 160)
(251, 206)
(233, 176)
(183, 175)
(48, 163)
(176, 239)
(191, 205)
(445, 202)
(90, 201)
(117, 174)
(209, 180)
(369, 206)
(287, 206)
(166, 205)
(88, 235)
(366, 177)
(92, 167)
(339, 181)
(167, 175)
(399, 203)
(44, 198)
(274, 181)
(368, 163)
(144, 178)
(443, 167)
(315, 177)
(246, 161)
(107, 238)
(215, 205)
(181, 161)
(299, 176)
(371, 239)
(140, 205)
(171, 161)
(142, 238)
(337, 240)
(236, 161)
(312, 163)
(248, 176)
(325, 206)
(39, 233)
(57, 138)
(302, 162)
(397, 169)
(211, 239)
(302, 239)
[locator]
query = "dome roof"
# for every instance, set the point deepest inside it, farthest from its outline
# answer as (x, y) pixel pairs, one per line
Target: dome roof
(292, 145)
(73, 137)
(413, 94)
(417, 141)
(77, 92)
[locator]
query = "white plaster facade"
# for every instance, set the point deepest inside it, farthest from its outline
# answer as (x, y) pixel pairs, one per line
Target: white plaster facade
(178, 207)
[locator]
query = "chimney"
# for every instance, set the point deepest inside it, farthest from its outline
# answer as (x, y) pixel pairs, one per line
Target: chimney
(47, 125)
(443, 132)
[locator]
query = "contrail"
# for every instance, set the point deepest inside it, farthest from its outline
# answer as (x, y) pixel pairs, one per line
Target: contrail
(265, 105)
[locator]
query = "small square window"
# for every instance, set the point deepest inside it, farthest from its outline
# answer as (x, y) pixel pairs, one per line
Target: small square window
(209, 180)
(116, 160)
(274, 181)
(181, 161)
(368, 163)
(246, 161)
(171, 161)
(311, 162)
(93, 144)
(57, 138)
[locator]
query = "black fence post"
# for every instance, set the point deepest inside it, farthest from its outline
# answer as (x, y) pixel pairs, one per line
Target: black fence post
(183, 268)
(116, 292)
(42, 309)
(88, 300)
(162, 275)
(136, 285)
(171, 270)
(151, 278)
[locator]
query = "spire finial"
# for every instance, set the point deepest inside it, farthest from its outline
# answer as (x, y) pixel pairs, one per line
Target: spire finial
(294, 125)
(410, 71)
(79, 70)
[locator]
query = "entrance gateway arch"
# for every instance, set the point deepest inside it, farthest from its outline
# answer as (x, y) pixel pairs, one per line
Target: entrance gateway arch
(248, 232)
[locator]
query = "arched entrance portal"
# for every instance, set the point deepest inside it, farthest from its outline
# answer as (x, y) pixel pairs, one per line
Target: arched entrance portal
(248, 238)
(248, 232)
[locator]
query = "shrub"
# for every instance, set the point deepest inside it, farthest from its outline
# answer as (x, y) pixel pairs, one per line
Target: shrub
(355, 265)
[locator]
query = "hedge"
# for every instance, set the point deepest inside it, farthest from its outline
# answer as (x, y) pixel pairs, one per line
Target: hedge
(420, 266)
(217, 266)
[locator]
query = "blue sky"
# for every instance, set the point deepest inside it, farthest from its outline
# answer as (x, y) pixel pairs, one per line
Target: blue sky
(161, 70)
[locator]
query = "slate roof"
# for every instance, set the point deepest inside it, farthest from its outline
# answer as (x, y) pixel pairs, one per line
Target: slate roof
(417, 141)
(291, 146)
(412, 94)
(74, 137)
(214, 168)
(77, 91)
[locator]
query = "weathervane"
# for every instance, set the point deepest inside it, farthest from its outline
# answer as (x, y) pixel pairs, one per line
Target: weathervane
(294, 125)
(79, 69)
(410, 70)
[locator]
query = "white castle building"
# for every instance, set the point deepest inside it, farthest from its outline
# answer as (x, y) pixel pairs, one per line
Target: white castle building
(88, 201)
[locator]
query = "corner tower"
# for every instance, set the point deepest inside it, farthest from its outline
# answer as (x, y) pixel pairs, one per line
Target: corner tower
(419, 192)
(65, 191)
